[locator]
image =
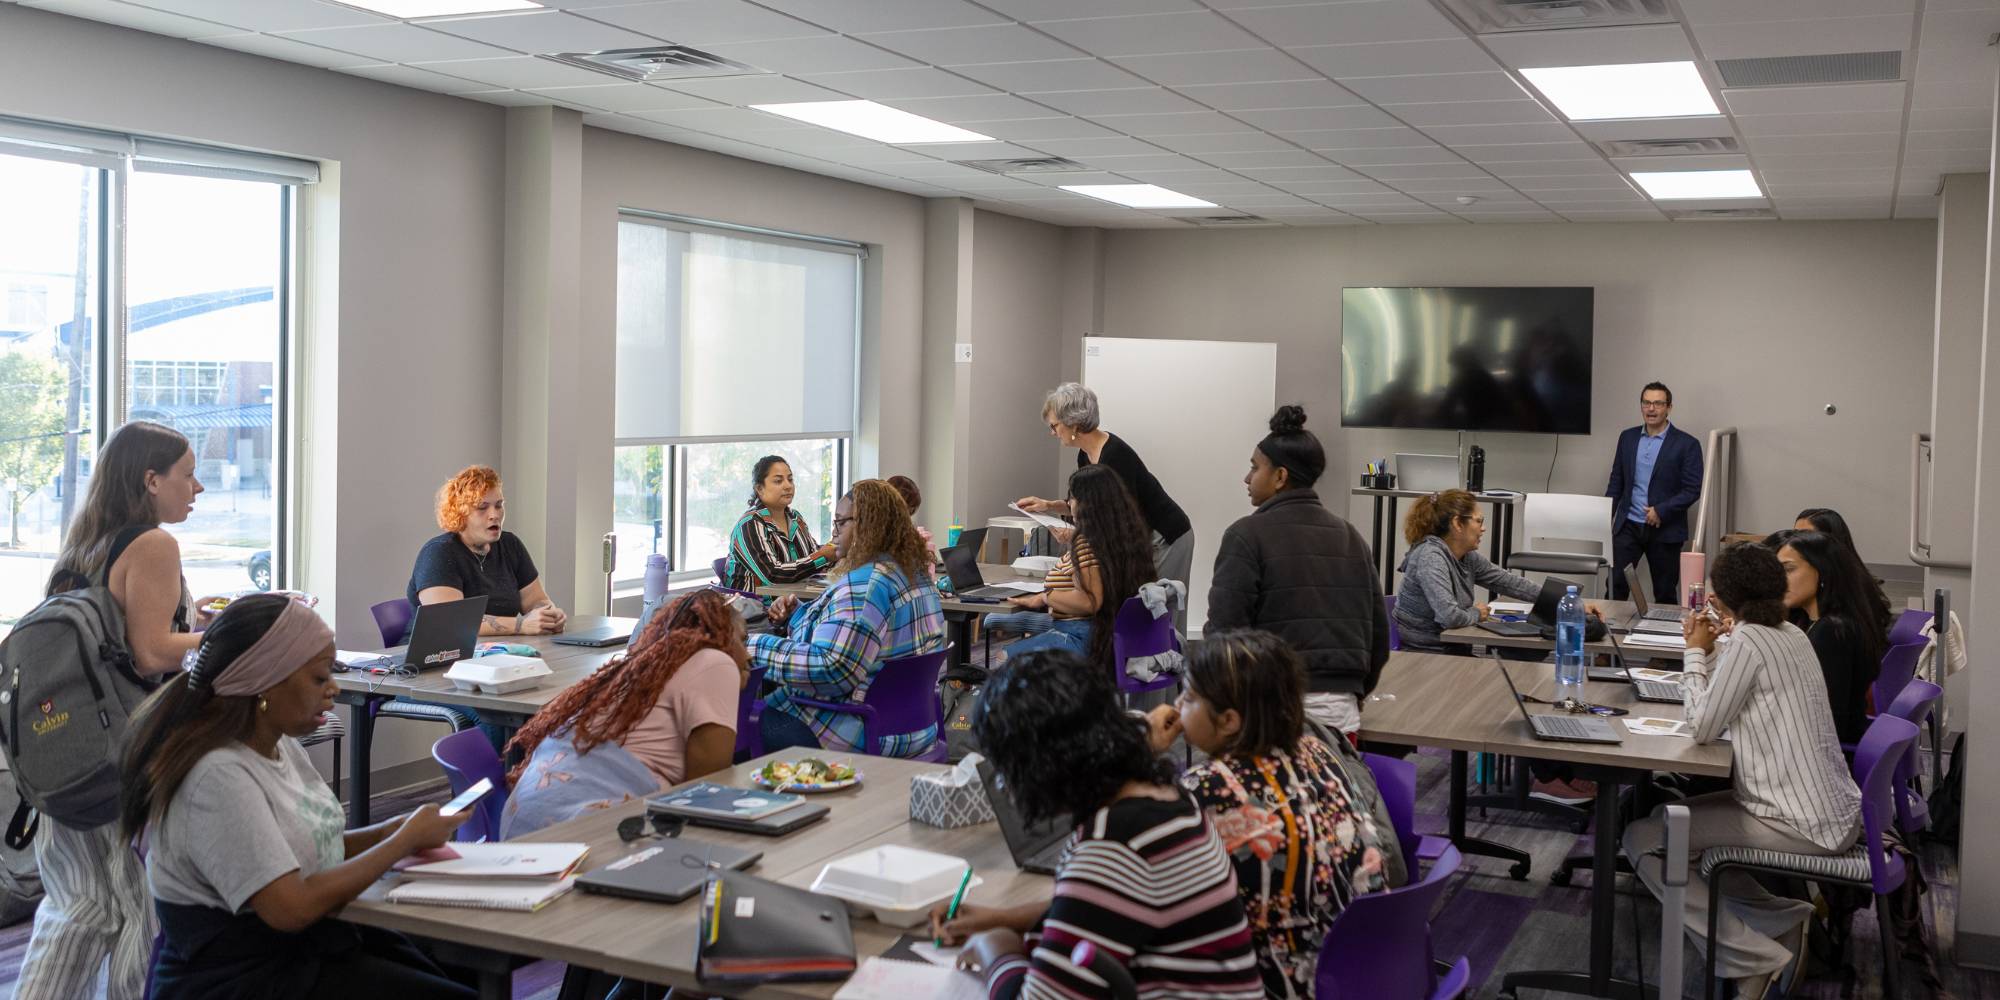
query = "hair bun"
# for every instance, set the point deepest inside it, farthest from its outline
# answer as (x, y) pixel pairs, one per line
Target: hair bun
(1288, 420)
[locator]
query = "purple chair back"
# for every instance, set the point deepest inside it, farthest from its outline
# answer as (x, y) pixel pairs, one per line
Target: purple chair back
(1876, 760)
(1918, 700)
(1379, 947)
(1135, 632)
(1395, 632)
(467, 757)
(1908, 627)
(722, 571)
(1119, 979)
(749, 713)
(1899, 664)
(1397, 781)
(903, 698)
(392, 619)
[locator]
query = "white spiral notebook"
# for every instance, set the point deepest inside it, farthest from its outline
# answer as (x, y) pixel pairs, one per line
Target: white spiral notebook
(521, 895)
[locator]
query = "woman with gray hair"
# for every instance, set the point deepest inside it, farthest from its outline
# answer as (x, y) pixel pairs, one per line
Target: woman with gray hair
(1070, 410)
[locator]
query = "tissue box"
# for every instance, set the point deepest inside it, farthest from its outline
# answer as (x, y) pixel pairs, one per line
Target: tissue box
(952, 799)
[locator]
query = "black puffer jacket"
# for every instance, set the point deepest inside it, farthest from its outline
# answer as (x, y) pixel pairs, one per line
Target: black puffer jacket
(1296, 569)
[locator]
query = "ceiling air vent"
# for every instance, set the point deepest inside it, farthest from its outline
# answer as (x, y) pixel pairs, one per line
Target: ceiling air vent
(1709, 145)
(1225, 220)
(666, 62)
(1491, 16)
(1026, 165)
(1720, 214)
(1784, 71)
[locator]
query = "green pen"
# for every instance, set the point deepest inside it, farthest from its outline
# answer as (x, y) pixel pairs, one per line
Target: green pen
(956, 898)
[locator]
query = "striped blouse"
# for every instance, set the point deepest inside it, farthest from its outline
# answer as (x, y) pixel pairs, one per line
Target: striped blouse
(1065, 574)
(1766, 689)
(760, 552)
(1146, 880)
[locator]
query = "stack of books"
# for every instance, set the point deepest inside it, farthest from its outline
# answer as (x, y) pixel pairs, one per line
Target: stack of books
(520, 876)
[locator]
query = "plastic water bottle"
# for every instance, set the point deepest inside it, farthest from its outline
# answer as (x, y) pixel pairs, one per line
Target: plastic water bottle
(1569, 648)
(657, 569)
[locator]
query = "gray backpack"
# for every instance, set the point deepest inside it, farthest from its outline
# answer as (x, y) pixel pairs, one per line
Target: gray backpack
(68, 687)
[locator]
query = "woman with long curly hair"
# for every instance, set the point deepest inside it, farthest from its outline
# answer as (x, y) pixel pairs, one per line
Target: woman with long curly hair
(662, 714)
(879, 605)
(1110, 557)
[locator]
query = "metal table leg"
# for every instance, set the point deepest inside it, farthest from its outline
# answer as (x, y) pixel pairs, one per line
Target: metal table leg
(1389, 551)
(360, 743)
(1455, 820)
(1603, 911)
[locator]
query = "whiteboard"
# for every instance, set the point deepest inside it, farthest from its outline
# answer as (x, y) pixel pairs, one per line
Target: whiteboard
(1193, 410)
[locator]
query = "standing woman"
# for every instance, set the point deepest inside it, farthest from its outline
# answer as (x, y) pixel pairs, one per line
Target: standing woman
(1301, 572)
(1442, 568)
(246, 858)
(1109, 559)
(1070, 410)
(96, 903)
(771, 542)
(1841, 607)
(476, 556)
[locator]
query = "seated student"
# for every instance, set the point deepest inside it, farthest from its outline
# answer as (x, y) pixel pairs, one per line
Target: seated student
(1442, 570)
(663, 713)
(771, 542)
(1300, 841)
(245, 854)
(1792, 789)
(879, 605)
(1826, 521)
(1145, 876)
(1832, 596)
(1302, 572)
(1110, 557)
(474, 557)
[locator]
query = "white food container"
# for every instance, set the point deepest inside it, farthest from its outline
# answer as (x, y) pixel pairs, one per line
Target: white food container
(1036, 567)
(499, 673)
(899, 884)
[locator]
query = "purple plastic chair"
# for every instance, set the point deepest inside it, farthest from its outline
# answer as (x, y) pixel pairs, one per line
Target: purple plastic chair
(1918, 700)
(1869, 865)
(467, 757)
(1379, 947)
(1396, 780)
(749, 713)
(392, 619)
(1395, 632)
(722, 571)
(1908, 627)
(1135, 632)
(903, 698)
(1899, 664)
(1116, 977)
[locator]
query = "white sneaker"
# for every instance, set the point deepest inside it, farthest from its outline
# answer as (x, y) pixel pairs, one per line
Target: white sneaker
(1755, 987)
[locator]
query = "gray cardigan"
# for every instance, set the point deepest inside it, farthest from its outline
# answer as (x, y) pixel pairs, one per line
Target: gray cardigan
(1437, 591)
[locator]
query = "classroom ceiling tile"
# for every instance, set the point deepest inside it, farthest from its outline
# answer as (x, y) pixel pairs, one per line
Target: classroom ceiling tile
(1950, 119)
(1137, 101)
(1763, 39)
(1470, 113)
(1190, 123)
(1035, 131)
(1366, 22)
(1127, 164)
(1487, 135)
(1396, 173)
(743, 91)
(543, 32)
(1952, 94)
(1437, 87)
(625, 97)
(274, 47)
(1225, 142)
(1704, 12)
(1054, 75)
(128, 15)
(1234, 67)
(418, 79)
(1844, 142)
(849, 17)
(1266, 160)
(1952, 139)
(1318, 119)
(1528, 152)
(1111, 145)
(517, 72)
(805, 56)
(1809, 124)
(891, 84)
(1269, 96)
(398, 43)
(705, 22)
(268, 15)
(1639, 43)
(1444, 55)
(1806, 100)
(994, 43)
(1361, 138)
(1152, 34)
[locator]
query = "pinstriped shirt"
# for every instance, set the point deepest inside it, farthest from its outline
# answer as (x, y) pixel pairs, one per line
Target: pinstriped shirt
(1766, 689)
(760, 552)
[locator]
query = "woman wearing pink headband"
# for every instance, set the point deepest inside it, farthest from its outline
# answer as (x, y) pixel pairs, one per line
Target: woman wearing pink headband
(246, 857)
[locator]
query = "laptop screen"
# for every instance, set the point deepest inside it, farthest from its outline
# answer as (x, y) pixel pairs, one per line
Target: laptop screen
(1553, 589)
(1518, 703)
(961, 563)
(445, 633)
(1023, 840)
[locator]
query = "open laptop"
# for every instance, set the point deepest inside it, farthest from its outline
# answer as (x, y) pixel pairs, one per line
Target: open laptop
(443, 634)
(1560, 726)
(1542, 614)
(1036, 849)
(1646, 689)
(1660, 619)
(961, 563)
(1427, 473)
(667, 873)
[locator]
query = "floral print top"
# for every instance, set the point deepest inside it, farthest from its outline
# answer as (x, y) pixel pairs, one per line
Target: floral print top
(1301, 846)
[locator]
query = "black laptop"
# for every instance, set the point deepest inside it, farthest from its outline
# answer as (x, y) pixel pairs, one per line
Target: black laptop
(605, 635)
(1561, 726)
(961, 563)
(1037, 848)
(1543, 613)
(443, 634)
(679, 802)
(668, 873)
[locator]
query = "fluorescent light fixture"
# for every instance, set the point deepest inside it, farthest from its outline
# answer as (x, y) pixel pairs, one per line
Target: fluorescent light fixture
(1630, 90)
(1138, 195)
(439, 8)
(870, 120)
(1683, 185)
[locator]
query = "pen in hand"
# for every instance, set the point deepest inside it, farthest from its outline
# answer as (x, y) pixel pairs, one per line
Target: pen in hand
(956, 898)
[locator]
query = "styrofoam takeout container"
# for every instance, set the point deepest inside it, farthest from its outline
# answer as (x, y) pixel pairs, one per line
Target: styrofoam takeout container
(498, 673)
(899, 884)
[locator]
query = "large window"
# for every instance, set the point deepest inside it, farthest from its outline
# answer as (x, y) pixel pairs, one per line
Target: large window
(187, 249)
(732, 345)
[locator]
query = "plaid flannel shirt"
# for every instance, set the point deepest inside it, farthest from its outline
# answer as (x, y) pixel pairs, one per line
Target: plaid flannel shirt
(835, 645)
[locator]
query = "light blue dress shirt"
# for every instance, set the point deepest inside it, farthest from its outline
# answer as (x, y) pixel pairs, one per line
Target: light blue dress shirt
(1642, 470)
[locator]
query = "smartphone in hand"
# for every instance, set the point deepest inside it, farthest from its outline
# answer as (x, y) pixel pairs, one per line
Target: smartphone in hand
(464, 800)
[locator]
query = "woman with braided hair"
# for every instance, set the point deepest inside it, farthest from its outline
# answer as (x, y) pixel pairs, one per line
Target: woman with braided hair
(662, 714)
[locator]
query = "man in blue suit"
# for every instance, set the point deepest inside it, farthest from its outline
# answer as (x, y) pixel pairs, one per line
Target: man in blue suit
(1654, 480)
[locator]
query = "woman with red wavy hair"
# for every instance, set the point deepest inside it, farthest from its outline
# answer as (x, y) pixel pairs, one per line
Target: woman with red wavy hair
(662, 714)
(475, 557)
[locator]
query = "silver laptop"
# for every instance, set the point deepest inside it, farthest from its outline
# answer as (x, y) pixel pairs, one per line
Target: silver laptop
(1562, 727)
(1427, 473)
(1662, 620)
(1661, 692)
(961, 563)
(1036, 848)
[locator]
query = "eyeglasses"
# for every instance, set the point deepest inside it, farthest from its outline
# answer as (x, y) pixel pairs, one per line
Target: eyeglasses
(1652, 405)
(842, 522)
(631, 828)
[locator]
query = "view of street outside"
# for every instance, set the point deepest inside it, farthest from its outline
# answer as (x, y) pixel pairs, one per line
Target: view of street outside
(717, 492)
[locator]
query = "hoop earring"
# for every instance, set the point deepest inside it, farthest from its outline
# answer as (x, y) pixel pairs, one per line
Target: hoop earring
(263, 705)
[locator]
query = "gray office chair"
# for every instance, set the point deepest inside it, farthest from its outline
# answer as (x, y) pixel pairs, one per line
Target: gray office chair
(1565, 533)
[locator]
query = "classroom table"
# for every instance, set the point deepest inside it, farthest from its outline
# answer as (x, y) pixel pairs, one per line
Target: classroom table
(1499, 535)
(365, 693)
(1616, 615)
(654, 942)
(1446, 704)
(960, 612)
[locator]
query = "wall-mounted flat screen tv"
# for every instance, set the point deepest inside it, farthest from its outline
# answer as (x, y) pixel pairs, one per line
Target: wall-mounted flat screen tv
(1466, 359)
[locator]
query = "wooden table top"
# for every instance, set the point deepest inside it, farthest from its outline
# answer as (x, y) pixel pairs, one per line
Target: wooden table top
(1616, 613)
(1461, 703)
(655, 942)
(568, 663)
(992, 572)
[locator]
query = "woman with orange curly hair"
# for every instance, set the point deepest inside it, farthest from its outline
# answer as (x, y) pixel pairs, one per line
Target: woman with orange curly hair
(879, 605)
(474, 557)
(660, 715)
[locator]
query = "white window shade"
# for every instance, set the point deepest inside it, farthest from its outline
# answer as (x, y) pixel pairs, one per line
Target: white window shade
(728, 337)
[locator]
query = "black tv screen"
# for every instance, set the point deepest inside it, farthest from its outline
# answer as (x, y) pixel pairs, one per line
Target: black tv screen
(1470, 359)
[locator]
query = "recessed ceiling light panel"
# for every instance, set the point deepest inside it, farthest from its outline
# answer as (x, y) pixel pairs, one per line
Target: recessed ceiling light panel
(439, 8)
(1138, 195)
(1628, 90)
(870, 120)
(1685, 185)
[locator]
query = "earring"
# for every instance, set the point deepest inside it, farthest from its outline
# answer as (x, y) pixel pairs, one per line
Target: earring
(262, 705)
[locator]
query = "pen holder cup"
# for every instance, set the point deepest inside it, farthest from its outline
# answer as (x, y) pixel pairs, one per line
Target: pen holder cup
(935, 801)
(1379, 481)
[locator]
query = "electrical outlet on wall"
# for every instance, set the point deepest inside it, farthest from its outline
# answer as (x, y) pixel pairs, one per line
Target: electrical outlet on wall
(965, 354)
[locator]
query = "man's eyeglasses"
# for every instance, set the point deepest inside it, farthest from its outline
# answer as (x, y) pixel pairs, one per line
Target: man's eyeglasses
(1650, 405)
(631, 828)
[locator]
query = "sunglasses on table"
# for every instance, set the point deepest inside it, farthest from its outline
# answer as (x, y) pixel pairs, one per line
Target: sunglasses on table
(632, 828)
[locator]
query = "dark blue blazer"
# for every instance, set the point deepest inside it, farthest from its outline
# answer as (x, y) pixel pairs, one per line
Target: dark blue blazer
(1676, 483)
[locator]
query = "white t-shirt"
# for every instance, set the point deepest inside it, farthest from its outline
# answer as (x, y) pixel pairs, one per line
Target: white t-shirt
(238, 822)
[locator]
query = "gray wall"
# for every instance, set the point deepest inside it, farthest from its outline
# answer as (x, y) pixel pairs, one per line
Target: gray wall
(1753, 324)
(1018, 276)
